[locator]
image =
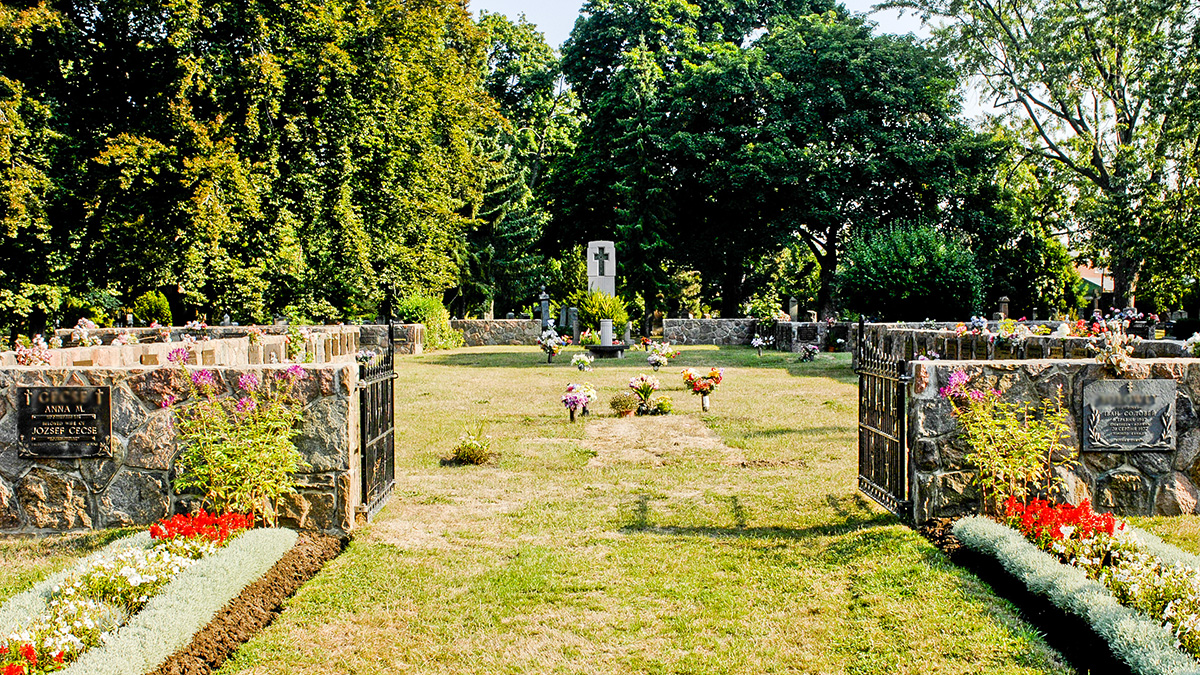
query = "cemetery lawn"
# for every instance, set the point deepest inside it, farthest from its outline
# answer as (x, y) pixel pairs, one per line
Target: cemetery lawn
(649, 545)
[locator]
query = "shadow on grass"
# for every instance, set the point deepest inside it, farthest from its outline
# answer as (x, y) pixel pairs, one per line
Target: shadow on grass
(852, 513)
(799, 431)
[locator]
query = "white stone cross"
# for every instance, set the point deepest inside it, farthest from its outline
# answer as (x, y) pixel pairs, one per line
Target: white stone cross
(602, 276)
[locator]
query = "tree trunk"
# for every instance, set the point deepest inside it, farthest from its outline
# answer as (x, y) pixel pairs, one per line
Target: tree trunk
(825, 305)
(1125, 272)
(731, 290)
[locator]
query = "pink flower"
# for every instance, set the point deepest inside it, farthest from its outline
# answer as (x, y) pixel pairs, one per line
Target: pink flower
(179, 356)
(294, 373)
(248, 382)
(168, 401)
(204, 378)
(246, 404)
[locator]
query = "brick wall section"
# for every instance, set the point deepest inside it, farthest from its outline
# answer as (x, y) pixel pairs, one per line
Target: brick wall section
(1132, 483)
(134, 486)
(482, 333)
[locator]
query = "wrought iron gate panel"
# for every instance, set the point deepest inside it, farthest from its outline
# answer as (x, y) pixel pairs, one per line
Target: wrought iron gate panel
(882, 434)
(377, 428)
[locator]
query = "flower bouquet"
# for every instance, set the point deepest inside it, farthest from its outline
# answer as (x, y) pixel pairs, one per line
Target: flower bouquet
(808, 353)
(578, 397)
(644, 387)
(552, 343)
(760, 342)
(657, 361)
(583, 362)
(703, 385)
(36, 354)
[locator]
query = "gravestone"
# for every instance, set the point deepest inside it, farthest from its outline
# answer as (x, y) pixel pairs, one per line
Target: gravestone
(602, 267)
(794, 309)
(1129, 416)
(1179, 314)
(64, 422)
(1003, 307)
(544, 314)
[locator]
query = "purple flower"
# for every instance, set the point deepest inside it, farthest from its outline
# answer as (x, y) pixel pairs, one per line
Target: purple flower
(204, 378)
(168, 401)
(248, 382)
(294, 373)
(179, 356)
(246, 404)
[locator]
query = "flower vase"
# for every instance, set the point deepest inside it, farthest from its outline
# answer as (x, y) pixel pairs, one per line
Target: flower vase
(549, 357)
(626, 413)
(760, 352)
(656, 368)
(704, 402)
(572, 415)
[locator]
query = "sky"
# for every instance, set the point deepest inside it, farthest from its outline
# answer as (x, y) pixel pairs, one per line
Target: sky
(555, 18)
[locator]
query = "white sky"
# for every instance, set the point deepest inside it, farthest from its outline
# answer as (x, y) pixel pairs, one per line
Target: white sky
(556, 17)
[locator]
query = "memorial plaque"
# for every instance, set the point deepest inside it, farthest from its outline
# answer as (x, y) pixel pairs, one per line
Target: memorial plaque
(807, 334)
(1129, 416)
(64, 422)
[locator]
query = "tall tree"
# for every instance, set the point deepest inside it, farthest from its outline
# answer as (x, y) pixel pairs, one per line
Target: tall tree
(1109, 87)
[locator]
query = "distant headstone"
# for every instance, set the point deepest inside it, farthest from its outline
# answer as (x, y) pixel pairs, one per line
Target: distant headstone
(794, 309)
(1129, 416)
(573, 321)
(628, 332)
(510, 315)
(225, 319)
(1003, 307)
(1179, 314)
(812, 316)
(602, 267)
(544, 315)
(562, 317)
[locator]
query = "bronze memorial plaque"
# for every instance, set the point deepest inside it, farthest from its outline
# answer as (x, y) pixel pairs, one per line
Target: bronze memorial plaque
(64, 422)
(1129, 416)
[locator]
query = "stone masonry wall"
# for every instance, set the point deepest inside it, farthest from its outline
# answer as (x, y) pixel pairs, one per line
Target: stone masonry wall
(1131, 483)
(410, 338)
(909, 343)
(791, 336)
(480, 333)
(709, 331)
(133, 487)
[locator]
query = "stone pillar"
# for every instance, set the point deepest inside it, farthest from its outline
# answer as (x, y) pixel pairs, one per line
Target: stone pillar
(628, 332)
(545, 300)
(606, 332)
(573, 320)
(794, 309)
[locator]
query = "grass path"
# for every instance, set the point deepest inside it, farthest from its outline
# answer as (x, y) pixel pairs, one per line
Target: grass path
(747, 551)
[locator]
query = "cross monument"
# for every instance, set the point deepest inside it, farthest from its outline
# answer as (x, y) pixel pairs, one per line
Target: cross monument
(602, 266)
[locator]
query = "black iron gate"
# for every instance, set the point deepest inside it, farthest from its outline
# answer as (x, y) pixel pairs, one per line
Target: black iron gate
(882, 434)
(377, 427)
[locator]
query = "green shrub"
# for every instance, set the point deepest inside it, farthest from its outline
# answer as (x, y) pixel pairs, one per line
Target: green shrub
(239, 454)
(596, 305)
(624, 402)
(436, 318)
(473, 448)
(764, 306)
(909, 274)
(152, 306)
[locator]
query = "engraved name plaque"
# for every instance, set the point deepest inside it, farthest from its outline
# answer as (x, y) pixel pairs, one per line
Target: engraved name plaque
(1129, 416)
(64, 422)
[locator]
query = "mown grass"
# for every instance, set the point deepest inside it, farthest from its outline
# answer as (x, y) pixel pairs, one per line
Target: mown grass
(553, 560)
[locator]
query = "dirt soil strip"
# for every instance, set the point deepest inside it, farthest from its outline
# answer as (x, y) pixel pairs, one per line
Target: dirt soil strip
(254, 608)
(1081, 646)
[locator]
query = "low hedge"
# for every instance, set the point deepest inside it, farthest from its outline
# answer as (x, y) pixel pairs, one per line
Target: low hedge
(185, 605)
(1148, 647)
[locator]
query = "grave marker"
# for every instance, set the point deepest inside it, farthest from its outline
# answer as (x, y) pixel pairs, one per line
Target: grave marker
(64, 422)
(1129, 416)
(602, 267)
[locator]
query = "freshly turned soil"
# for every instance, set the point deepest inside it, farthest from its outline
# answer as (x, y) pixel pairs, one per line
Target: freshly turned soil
(254, 608)
(1070, 635)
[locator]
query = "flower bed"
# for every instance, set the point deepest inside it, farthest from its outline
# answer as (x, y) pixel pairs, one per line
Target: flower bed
(1147, 645)
(128, 607)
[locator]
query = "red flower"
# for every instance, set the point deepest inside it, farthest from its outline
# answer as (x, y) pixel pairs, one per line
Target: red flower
(14, 669)
(29, 653)
(3, 650)
(58, 658)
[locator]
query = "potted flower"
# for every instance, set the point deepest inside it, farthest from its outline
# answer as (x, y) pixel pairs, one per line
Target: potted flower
(552, 343)
(703, 385)
(657, 361)
(624, 403)
(808, 353)
(644, 387)
(759, 342)
(583, 362)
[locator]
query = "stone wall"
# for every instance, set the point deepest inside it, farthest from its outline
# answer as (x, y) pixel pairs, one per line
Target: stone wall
(910, 343)
(791, 336)
(480, 333)
(709, 331)
(325, 344)
(133, 487)
(410, 338)
(1131, 483)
